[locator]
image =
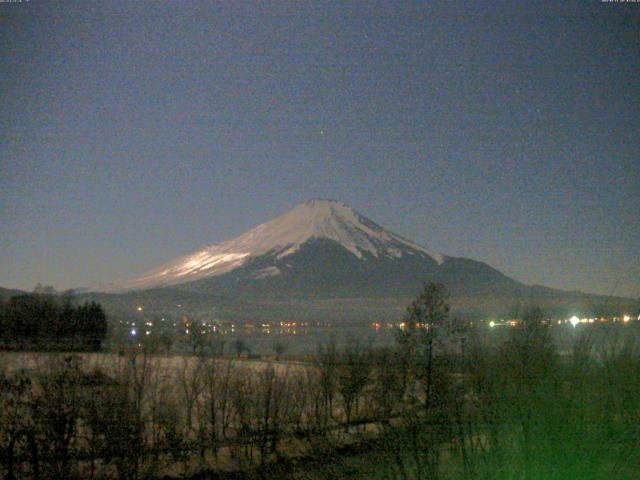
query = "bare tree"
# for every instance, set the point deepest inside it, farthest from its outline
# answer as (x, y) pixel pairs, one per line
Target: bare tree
(424, 326)
(243, 402)
(271, 395)
(390, 379)
(353, 373)
(426, 318)
(190, 379)
(326, 362)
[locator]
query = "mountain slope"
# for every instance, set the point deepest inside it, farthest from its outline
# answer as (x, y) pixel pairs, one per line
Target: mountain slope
(282, 237)
(322, 268)
(325, 260)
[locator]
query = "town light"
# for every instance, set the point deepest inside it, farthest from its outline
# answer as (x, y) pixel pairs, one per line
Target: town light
(574, 321)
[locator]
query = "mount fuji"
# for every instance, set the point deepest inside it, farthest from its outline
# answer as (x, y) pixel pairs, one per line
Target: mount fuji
(268, 248)
(320, 248)
(325, 251)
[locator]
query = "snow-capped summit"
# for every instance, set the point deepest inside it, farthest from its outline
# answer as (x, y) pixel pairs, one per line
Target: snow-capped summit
(315, 219)
(327, 219)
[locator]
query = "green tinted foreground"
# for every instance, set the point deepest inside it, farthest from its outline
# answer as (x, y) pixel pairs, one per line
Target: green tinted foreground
(443, 403)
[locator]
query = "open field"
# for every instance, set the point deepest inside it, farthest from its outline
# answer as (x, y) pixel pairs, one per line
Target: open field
(111, 363)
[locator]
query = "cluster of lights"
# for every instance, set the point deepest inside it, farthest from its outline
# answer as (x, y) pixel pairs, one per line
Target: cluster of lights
(134, 332)
(190, 325)
(293, 324)
(380, 325)
(502, 323)
(290, 327)
(574, 321)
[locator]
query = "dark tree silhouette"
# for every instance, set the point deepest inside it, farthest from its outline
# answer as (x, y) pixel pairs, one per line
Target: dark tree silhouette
(48, 321)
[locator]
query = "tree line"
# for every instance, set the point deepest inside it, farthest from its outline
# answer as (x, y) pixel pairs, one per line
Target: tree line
(51, 322)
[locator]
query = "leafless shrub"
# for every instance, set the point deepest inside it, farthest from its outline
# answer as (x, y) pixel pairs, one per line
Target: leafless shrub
(326, 363)
(353, 371)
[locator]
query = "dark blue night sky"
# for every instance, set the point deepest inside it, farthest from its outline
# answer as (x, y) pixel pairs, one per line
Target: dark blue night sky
(133, 132)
